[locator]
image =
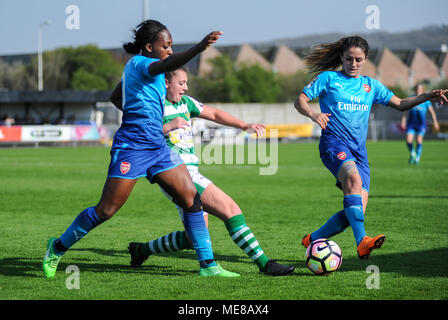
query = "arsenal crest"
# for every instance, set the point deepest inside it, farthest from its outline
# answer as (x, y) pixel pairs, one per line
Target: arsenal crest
(366, 87)
(125, 167)
(342, 155)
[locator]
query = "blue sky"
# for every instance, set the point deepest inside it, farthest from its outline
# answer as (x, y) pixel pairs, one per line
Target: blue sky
(107, 23)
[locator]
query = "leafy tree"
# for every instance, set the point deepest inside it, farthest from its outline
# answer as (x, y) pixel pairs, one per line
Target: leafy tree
(16, 77)
(257, 85)
(93, 68)
(82, 68)
(219, 85)
(399, 91)
(292, 85)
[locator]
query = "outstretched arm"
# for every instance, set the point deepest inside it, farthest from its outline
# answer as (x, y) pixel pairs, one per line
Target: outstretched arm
(177, 60)
(410, 102)
(224, 118)
(301, 104)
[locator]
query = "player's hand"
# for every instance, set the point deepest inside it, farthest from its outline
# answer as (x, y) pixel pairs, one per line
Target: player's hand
(438, 96)
(257, 128)
(436, 126)
(321, 119)
(208, 40)
(174, 124)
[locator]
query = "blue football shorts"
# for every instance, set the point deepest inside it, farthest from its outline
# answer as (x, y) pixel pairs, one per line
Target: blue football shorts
(334, 157)
(416, 130)
(134, 164)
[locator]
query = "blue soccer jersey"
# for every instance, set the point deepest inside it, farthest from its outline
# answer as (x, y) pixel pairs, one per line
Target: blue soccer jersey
(143, 105)
(417, 115)
(349, 101)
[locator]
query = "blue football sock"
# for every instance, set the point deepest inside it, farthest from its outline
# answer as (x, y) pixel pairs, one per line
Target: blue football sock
(198, 233)
(419, 150)
(410, 147)
(84, 222)
(355, 215)
(336, 224)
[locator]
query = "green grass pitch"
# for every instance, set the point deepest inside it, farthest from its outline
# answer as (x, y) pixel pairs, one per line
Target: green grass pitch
(42, 191)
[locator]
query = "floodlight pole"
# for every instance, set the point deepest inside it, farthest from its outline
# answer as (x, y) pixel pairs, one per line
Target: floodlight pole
(145, 9)
(40, 77)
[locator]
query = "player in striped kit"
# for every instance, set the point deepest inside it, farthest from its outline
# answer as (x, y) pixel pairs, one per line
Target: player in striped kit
(179, 109)
(415, 126)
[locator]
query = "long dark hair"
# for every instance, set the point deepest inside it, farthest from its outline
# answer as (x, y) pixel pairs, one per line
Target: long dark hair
(145, 32)
(327, 56)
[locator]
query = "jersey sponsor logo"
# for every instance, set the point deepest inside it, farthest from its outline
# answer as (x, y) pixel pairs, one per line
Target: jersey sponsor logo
(339, 85)
(125, 167)
(341, 155)
(354, 105)
(366, 87)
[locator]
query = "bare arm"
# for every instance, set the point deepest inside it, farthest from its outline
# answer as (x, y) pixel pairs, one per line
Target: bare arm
(410, 102)
(302, 106)
(434, 118)
(224, 118)
(177, 60)
(403, 120)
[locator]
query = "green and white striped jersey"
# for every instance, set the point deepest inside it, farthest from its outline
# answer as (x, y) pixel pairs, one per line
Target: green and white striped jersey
(181, 140)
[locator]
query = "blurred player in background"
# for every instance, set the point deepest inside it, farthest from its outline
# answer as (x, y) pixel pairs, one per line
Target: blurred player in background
(345, 99)
(139, 148)
(415, 126)
(179, 110)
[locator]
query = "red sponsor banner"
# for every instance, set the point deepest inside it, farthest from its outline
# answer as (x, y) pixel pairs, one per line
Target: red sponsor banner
(10, 133)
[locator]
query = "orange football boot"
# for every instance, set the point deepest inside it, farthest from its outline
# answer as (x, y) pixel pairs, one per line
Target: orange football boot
(306, 240)
(367, 244)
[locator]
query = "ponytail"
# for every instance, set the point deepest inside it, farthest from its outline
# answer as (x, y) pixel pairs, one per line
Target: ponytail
(145, 32)
(327, 56)
(132, 47)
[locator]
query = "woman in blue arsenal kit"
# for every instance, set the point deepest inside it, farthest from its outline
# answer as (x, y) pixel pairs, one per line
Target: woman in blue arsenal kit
(415, 126)
(346, 98)
(139, 148)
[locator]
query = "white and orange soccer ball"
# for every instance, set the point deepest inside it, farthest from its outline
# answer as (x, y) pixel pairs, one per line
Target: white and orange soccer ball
(323, 256)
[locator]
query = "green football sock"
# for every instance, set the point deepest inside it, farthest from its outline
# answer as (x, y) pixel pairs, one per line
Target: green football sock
(245, 239)
(174, 241)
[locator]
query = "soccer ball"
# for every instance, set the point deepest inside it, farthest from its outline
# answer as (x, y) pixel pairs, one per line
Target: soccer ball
(323, 256)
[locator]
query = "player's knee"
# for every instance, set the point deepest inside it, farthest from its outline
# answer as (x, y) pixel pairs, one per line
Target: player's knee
(196, 204)
(105, 212)
(232, 209)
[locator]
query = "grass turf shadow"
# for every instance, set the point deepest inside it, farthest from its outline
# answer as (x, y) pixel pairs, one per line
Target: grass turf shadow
(424, 263)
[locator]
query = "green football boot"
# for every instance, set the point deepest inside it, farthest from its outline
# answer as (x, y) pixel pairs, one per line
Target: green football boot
(217, 271)
(51, 259)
